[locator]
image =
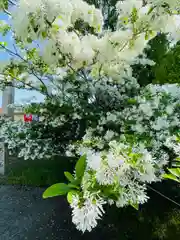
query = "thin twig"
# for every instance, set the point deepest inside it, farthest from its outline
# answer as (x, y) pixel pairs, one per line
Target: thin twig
(171, 200)
(26, 61)
(12, 2)
(6, 11)
(83, 76)
(25, 84)
(14, 46)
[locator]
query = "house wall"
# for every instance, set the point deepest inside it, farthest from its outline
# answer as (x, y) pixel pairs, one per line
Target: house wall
(18, 117)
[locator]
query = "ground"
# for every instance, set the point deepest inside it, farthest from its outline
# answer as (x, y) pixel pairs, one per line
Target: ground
(24, 215)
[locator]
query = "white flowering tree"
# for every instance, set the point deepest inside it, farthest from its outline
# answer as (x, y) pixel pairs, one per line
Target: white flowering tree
(64, 50)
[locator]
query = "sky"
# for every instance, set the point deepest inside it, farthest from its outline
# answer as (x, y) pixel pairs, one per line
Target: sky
(20, 95)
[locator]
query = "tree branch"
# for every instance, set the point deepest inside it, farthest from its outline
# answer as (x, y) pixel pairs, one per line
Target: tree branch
(27, 84)
(12, 2)
(6, 11)
(164, 196)
(32, 71)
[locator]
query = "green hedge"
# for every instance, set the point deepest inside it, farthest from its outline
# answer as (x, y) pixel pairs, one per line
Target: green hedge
(39, 172)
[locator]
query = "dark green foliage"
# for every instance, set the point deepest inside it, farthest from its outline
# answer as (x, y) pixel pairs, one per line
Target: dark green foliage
(39, 172)
(4, 4)
(168, 69)
(157, 50)
(157, 219)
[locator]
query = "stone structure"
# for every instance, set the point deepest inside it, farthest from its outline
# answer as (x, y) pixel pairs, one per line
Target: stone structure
(7, 98)
(3, 157)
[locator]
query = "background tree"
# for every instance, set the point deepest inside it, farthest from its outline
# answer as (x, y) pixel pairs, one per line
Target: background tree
(168, 69)
(109, 11)
(157, 50)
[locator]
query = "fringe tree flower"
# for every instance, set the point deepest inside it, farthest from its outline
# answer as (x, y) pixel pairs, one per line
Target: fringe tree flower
(86, 212)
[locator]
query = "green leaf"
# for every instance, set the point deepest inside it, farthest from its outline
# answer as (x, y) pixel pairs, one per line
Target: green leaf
(80, 166)
(56, 190)
(73, 186)
(3, 44)
(125, 20)
(3, 4)
(175, 171)
(70, 196)
(69, 176)
(29, 40)
(44, 34)
(170, 176)
(132, 101)
(136, 206)
(146, 36)
(150, 10)
(76, 182)
(134, 15)
(176, 164)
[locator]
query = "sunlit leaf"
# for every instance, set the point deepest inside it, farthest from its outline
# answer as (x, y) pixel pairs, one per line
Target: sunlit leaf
(69, 176)
(80, 166)
(170, 176)
(70, 196)
(175, 171)
(73, 186)
(56, 190)
(136, 206)
(3, 44)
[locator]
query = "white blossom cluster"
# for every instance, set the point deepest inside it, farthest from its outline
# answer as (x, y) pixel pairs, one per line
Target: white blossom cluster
(24, 142)
(126, 126)
(114, 176)
(85, 218)
(104, 53)
(154, 111)
(173, 143)
(136, 157)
